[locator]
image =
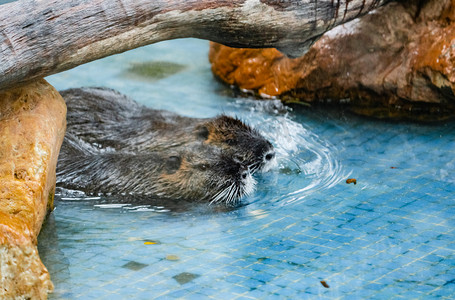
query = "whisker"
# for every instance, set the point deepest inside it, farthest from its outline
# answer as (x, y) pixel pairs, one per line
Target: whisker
(222, 194)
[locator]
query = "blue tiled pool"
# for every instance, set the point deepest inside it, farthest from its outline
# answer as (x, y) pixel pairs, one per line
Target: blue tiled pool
(304, 234)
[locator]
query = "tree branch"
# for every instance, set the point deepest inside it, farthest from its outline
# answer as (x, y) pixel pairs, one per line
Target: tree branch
(40, 38)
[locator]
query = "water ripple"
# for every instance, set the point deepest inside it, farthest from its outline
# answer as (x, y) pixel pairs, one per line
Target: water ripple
(300, 153)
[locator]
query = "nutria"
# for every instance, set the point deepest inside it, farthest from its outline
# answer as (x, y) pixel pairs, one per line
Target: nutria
(198, 172)
(110, 121)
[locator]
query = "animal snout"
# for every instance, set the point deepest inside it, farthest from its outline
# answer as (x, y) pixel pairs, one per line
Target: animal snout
(268, 160)
(269, 155)
(264, 150)
(244, 174)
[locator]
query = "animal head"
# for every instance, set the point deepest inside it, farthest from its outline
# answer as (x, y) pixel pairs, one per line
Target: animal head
(238, 139)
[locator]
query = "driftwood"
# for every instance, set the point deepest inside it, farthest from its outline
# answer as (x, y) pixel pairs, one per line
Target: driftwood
(40, 38)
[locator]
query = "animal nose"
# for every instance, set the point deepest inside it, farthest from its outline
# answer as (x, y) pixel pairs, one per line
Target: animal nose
(265, 150)
(244, 172)
(269, 156)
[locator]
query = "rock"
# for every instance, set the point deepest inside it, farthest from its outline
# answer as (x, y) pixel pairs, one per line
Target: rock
(396, 62)
(32, 127)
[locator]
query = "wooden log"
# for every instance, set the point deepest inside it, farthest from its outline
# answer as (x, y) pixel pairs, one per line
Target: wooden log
(40, 38)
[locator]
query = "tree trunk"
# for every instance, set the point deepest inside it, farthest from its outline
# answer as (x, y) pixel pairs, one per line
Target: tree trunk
(40, 38)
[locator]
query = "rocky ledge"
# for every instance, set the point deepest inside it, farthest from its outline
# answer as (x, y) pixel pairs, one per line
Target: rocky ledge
(32, 127)
(395, 62)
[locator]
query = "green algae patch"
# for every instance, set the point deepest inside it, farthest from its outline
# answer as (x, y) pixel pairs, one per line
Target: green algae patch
(185, 277)
(153, 70)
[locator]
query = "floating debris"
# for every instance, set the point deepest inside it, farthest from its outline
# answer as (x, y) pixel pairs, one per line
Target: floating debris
(324, 284)
(172, 257)
(151, 242)
(351, 180)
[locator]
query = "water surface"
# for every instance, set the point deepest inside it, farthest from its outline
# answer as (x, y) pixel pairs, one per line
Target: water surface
(391, 235)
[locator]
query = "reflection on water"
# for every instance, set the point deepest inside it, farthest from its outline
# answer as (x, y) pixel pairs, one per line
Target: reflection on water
(134, 203)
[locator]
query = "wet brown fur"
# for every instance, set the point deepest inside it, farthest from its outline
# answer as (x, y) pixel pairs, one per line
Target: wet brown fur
(114, 145)
(110, 120)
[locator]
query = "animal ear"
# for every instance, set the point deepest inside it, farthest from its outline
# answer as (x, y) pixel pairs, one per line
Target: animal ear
(202, 132)
(173, 164)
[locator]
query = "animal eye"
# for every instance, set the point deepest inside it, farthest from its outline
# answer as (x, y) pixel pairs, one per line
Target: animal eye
(203, 167)
(231, 142)
(173, 164)
(203, 133)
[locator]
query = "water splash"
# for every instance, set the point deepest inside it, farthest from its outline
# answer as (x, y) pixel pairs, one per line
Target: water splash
(299, 152)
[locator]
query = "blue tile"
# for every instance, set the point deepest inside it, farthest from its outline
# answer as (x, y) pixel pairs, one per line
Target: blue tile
(411, 294)
(360, 294)
(248, 273)
(241, 263)
(374, 286)
(239, 289)
(255, 294)
(253, 283)
(196, 296)
(235, 279)
(445, 291)
(264, 277)
(388, 237)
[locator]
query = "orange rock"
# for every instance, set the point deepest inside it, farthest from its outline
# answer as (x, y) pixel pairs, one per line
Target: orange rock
(32, 127)
(398, 61)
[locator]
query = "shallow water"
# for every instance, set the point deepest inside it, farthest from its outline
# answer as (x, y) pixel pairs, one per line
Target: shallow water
(391, 235)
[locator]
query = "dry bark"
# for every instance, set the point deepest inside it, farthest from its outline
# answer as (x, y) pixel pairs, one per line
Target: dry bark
(40, 38)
